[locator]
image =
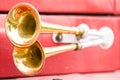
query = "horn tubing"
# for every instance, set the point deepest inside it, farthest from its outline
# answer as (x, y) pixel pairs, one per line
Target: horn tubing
(23, 25)
(59, 49)
(49, 27)
(30, 60)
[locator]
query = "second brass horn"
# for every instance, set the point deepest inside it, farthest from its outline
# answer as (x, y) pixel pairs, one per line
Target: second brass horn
(29, 60)
(23, 25)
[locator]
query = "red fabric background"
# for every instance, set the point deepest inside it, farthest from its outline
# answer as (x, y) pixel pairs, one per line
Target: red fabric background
(65, 6)
(92, 59)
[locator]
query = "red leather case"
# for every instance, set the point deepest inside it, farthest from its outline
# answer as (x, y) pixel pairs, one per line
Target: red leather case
(92, 59)
(65, 6)
(117, 7)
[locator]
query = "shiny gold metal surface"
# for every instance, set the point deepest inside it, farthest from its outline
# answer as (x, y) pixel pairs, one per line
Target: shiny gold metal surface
(29, 60)
(23, 25)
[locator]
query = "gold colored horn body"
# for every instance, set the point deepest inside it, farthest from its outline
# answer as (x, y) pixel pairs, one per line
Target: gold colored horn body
(23, 25)
(29, 60)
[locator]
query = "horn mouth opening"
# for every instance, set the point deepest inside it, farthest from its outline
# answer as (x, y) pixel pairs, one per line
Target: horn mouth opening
(23, 25)
(29, 60)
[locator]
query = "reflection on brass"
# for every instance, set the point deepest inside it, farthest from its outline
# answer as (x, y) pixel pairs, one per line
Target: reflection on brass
(29, 60)
(23, 25)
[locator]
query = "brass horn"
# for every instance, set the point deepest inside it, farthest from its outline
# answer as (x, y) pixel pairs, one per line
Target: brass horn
(29, 60)
(23, 25)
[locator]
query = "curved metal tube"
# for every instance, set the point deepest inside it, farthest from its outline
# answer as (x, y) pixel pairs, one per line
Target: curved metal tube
(29, 60)
(23, 25)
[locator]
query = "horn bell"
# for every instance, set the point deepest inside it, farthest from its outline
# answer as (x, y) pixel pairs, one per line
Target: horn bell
(22, 25)
(29, 60)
